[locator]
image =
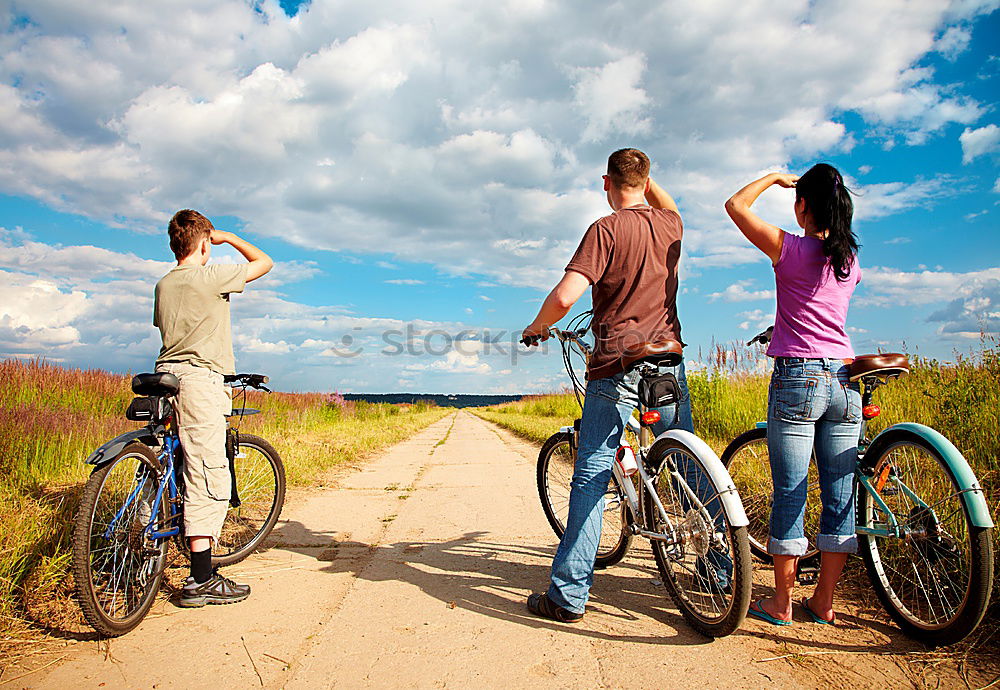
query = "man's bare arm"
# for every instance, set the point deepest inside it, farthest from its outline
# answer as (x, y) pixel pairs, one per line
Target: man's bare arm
(657, 197)
(259, 262)
(557, 303)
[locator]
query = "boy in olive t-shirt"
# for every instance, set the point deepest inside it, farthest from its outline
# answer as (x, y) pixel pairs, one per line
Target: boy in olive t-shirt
(191, 309)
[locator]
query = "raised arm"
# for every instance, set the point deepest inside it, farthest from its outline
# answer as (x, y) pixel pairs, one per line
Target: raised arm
(657, 197)
(766, 237)
(558, 302)
(259, 262)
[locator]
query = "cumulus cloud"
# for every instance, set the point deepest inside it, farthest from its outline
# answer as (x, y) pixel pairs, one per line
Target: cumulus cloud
(737, 292)
(93, 307)
(476, 143)
(973, 314)
(979, 142)
(893, 287)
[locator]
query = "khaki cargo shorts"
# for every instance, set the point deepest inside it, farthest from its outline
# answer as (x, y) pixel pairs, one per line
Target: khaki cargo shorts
(200, 410)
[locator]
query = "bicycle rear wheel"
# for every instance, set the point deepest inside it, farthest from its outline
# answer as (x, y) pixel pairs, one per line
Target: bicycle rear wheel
(260, 485)
(556, 461)
(116, 566)
(934, 581)
(746, 458)
(704, 561)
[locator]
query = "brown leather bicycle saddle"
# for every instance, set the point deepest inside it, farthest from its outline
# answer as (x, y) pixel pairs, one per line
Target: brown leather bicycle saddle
(888, 365)
(668, 353)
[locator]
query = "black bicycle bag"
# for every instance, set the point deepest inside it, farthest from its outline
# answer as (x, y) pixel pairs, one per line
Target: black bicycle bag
(149, 408)
(659, 391)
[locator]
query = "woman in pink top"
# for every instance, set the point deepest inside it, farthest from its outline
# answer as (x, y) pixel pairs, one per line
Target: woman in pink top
(812, 406)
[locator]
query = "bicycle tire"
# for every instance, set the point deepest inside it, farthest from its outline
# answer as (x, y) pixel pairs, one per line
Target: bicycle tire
(262, 493)
(554, 473)
(746, 459)
(950, 559)
(687, 567)
(105, 492)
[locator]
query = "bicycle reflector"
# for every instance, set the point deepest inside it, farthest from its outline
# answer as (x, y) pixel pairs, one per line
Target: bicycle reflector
(871, 411)
(650, 417)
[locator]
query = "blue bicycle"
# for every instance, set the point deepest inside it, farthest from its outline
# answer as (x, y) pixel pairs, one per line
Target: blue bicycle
(923, 524)
(132, 505)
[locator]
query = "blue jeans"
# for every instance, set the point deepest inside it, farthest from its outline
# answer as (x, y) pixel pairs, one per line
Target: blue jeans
(606, 409)
(812, 405)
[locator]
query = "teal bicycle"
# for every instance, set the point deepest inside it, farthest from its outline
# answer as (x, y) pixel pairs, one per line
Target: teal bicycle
(923, 524)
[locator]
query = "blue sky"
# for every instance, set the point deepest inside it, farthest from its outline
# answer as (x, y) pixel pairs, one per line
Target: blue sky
(424, 181)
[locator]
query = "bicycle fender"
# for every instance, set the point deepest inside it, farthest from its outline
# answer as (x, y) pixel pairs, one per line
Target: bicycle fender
(109, 450)
(973, 495)
(729, 496)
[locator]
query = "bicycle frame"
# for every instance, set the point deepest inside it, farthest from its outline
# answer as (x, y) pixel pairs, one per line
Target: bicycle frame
(167, 484)
(972, 495)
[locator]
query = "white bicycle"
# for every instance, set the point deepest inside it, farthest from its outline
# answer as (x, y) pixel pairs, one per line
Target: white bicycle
(673, 490)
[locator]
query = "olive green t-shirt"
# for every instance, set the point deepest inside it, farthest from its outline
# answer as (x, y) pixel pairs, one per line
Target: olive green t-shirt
(191, 309)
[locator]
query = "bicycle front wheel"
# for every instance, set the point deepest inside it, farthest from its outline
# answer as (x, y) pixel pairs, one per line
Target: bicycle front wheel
(704, 561)
(746, 457)
(116, 566)
(259, 484)
(556, 462)
(935, 578)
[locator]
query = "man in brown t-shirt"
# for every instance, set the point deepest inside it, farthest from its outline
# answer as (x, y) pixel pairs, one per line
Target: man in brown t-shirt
(630, 258)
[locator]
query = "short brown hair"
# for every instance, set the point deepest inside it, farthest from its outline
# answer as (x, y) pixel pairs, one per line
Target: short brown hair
(187, 228)
(628, 168)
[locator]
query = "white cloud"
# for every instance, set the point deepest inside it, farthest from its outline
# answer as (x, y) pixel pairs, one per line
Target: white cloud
(737, 292)
(610, 98)
(892, 287)
(979, 142)
(756, 319)
(970, 315)
(404, 281)
(476, 143)
(953, 42)
(875, 201)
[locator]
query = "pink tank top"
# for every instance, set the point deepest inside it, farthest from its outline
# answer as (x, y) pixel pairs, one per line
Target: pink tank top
(812, 304)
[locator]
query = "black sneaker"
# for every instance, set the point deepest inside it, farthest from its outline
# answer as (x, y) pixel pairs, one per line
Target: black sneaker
(216, 590)
(541, 605)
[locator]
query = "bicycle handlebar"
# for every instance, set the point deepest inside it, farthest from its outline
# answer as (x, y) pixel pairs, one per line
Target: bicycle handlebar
(557, 333)
(764, 337)
(253, 380)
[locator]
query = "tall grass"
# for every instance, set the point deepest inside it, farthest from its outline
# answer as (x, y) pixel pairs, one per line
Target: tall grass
(51, 418)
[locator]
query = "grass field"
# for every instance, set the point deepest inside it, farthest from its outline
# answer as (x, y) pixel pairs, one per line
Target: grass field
(52, 418)
(961, 399)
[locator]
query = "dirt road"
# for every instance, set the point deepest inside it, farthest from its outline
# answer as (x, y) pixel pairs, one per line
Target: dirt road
(412, 571)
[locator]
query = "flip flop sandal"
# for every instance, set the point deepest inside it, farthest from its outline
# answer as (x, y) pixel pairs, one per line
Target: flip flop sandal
(541, 605)
(757, 611)
(816, 619)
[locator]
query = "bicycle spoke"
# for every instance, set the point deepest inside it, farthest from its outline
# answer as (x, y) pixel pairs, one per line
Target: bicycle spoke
(927, 572)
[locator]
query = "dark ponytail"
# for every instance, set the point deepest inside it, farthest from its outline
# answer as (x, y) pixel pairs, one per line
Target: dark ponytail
(829, 202)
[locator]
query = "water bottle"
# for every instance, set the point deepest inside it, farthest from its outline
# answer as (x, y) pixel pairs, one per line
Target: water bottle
(625, 457)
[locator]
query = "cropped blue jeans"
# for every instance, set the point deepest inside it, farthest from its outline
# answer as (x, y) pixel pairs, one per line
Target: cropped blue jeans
(812, 406)
(607, 407)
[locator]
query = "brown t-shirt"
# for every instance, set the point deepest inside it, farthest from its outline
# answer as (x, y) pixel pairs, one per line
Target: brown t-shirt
(630, 257)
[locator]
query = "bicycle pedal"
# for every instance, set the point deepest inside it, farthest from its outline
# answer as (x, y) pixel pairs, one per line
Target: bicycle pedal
(807, 576)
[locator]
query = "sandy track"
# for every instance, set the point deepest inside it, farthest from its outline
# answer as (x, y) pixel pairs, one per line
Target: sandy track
(412, 571)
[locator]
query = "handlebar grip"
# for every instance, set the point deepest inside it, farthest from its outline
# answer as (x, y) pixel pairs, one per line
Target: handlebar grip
(530, 340)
